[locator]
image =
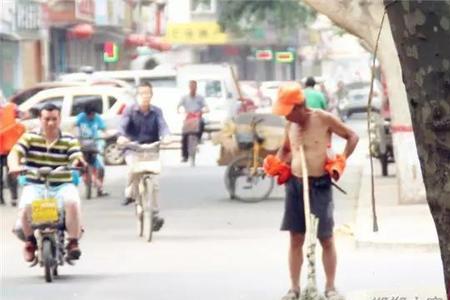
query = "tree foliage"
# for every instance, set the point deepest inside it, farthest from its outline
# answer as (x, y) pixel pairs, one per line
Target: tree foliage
(247, 18)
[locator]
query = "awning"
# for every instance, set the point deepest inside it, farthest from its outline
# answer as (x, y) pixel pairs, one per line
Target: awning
(9, 36)
(81, 31)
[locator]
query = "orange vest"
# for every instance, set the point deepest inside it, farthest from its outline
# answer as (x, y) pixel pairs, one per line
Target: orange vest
(10, 130)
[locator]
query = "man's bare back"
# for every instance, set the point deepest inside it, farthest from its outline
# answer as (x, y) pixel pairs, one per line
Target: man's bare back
(315, 135)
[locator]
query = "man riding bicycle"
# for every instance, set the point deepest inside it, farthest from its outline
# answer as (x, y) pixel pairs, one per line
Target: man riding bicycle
(142, 123)
(48, 147)
(191, 103)
(89, 123)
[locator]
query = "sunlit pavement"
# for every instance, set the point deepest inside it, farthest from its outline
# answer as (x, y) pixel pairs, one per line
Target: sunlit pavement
(210, 247)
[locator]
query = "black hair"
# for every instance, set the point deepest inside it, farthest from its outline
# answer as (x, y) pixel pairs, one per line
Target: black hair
(49, 107)
(145, 84)
(88, 109)
(310, 81)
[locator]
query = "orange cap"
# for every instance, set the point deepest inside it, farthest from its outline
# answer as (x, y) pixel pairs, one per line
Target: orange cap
(289, 95)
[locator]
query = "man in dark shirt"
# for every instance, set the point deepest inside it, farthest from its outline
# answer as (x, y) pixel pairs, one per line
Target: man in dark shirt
(145, 124)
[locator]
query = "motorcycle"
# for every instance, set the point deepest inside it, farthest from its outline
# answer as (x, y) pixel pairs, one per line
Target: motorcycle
(48, 224)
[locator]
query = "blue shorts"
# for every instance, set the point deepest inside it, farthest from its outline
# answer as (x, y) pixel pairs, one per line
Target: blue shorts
(321, 204)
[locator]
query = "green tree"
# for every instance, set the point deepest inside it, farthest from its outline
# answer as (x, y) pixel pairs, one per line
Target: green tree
(250, 18)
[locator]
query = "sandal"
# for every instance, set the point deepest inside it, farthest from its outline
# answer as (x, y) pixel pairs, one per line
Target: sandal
(291, 295)
(333, 295)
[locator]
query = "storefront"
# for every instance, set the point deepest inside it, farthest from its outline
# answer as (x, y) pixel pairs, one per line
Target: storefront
(9, 64)
(9, 48)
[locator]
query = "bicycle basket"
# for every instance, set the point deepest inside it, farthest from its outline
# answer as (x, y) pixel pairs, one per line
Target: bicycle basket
(191, 125)
(244, 140)
(147, 161)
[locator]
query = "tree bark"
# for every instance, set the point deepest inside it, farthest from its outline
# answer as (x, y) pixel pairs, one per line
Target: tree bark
(421, 31)
(363, 20)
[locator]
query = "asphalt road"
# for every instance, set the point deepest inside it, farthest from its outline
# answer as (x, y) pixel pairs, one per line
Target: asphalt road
(209, 248)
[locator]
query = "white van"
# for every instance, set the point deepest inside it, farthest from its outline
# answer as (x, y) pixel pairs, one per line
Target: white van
(166, 93)
(214, 82)
(159, 77)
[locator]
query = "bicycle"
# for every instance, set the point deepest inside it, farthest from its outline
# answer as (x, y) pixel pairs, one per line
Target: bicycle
(191, 127)
(256, 186)
(90, 151)
(146, 164)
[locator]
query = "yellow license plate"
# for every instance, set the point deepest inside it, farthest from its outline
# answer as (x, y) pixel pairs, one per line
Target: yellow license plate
(44, 211)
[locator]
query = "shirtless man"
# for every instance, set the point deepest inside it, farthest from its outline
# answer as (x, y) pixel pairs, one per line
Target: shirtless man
(313, 128)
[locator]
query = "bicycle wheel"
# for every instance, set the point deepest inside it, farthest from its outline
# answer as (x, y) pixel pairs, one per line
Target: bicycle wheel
(244, 186)
(148, 220)
(192, 148)
(88, 182)
(47, 259)
(140, 216)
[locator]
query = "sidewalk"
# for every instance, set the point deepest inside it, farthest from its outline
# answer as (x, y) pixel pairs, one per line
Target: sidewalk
(399, 226)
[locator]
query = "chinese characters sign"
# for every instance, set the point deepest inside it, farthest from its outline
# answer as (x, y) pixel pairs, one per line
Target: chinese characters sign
(206, 33)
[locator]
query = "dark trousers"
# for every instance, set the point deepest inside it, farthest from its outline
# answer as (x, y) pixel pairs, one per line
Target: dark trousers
(184, 140)
(12, 181)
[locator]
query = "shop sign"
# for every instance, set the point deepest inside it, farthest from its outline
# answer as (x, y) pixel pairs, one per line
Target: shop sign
(28, 19)
(85, 10)
(286, 57)
(200, 33)
(264, 54)
(110, 52)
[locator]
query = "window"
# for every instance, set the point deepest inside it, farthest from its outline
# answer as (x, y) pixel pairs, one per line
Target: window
(111, 101)
(203, 6)
(167, 82)
(34, 111)
(80, 102)
(209, 88)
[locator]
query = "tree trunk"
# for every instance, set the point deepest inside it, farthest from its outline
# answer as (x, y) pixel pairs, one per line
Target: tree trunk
(421, 31)
(363, 20)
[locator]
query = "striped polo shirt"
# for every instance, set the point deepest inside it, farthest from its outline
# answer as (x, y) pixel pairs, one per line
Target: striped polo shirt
(33, 149)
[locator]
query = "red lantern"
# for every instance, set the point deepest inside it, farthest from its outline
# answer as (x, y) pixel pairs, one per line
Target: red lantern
(81, 31)
(157, 43)
(135, 39)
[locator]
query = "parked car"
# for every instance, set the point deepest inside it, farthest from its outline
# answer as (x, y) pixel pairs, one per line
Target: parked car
(356, 99)
(23, 95)
(109, 101)
(166, 92)
(159, 77)
(27, 93)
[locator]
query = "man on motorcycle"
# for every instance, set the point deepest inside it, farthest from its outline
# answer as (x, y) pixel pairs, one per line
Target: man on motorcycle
(191, 103)
(89, 123)
(145, 124)
(48, 147)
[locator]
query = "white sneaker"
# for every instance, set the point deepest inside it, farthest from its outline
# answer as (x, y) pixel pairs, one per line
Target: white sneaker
(291, 295)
